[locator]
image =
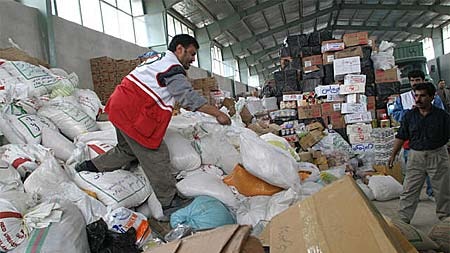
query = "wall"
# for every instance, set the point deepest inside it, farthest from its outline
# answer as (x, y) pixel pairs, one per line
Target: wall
(74, 44)
(19, 23)
(442, 64)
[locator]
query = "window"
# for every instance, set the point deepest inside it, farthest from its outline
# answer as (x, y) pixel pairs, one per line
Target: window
(446, 38)
(216, 57)
(253, 81)
(113, 17)
(174, 27)
(428, 49)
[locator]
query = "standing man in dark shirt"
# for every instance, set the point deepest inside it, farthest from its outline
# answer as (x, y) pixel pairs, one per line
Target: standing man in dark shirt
(428, 129)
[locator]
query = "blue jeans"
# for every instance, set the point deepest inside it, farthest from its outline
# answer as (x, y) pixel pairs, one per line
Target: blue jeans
(428, 181)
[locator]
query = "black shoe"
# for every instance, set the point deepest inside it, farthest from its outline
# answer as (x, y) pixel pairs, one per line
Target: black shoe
(86, 166)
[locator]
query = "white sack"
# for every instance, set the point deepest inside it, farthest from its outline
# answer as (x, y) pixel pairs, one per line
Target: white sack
(281, 143)
(269, 163)
(280, 202)
(68, 117)
(51, 181)
(89, 102)
(385, 187)
(209, 185)
(9, 178)
(61, 146)
(119, 188)
(182, 155)
(68, 235)
(27, 127)
(367, 191)
(25, 158)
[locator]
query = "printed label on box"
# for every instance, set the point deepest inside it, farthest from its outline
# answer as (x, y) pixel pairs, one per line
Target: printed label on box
(346, 66)
(352, 88)
(359, 138)
(355, 79)
(359, 128)
(353, 108)
(292, 97)
(363, 147)
(325, 90)
(358, 117)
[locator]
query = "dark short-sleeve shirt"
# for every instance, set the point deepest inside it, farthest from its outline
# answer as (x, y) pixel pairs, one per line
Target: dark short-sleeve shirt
(425, 132)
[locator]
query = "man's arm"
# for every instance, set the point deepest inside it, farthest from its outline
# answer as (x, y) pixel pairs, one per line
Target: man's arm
(398, 111)
(181, 89)
(398, 143)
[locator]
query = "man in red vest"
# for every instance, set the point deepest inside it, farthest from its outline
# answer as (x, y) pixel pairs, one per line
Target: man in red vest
(140, 108)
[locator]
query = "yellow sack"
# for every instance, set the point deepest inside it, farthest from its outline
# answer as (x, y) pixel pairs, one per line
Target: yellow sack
(249, 185)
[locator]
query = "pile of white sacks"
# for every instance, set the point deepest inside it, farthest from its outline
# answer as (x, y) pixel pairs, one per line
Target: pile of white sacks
(51, 126)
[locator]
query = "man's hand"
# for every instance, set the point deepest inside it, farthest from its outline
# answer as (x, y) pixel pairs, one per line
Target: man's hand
(223, 119)
(391, 161)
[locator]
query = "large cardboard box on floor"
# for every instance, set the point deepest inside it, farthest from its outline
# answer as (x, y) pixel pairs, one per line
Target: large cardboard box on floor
(225, 239)
(337, 219)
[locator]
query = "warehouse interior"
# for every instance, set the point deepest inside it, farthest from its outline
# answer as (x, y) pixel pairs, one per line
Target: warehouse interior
(245, 47)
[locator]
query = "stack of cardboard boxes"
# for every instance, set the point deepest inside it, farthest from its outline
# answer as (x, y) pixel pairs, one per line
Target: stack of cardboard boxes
(208, 88)
(107, 73)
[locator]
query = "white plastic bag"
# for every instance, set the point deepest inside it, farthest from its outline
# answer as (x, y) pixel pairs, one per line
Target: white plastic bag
(209, 185)
(68, 235)
(252, 210)
(367, 191)
(89, 102)
(280, 142)
(152, 208)
(122, 219)
(269, 163)
(61, 146)
(182, 155)
(68, 117)
(9, 178)
(280, 202)
(385, 187)
(118, 188)
(213, 147)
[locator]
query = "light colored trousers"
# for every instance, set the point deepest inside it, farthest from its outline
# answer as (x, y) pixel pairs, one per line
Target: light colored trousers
(154, 162)
(436, 164)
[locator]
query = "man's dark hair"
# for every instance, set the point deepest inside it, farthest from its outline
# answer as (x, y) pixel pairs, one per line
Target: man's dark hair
(416, 73)
(441, 80)
(185, 40)
(429, 87)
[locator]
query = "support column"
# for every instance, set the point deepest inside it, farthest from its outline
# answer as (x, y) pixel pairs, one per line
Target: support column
(204, 53)
(438, 43)
(243, 71)
(156, 24)
(46, 24)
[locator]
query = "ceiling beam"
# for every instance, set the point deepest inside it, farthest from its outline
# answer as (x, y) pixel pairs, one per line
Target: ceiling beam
(218, 27)
(442, 9)
(170, 3)
(413, 30)
(241, 46)
(252, 59)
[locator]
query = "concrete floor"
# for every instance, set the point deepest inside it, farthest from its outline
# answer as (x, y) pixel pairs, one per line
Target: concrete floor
(424, 218)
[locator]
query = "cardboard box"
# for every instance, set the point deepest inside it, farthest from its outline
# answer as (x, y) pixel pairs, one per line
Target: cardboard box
(387, 76)
(354, 39)
(349, 52)
(293, 97)
(347, 108)
(327, 58)
(330, 108)
(324, 90)
(344, 66)
(337, 219)
(311, 139)
(314, 126)
(332, 45)
(358, 117)
(355, 79)
(371, 105)
(359, 128)
(360, 138)
(311, 61)
(308, 112)
(395, 171)
(352, 88)
(305, 157)
(323, 167)
(227, 239)
(337, 120)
